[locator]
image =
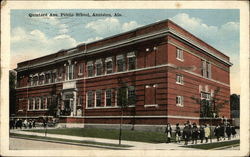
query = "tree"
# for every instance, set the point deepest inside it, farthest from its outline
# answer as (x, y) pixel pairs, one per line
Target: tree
(213, 105)
(12, 92)
(52, 108)
(122, 101)
(235, 105)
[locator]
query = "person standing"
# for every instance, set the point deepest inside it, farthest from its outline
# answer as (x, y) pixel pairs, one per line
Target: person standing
(228, 131)
(177, 133)
(222, 131)
(168, 132)
(233, 131)
(207, 132)
(217, 132)
(185, 133)
(34, 123)
(201, 133)
(25, 123)
(195, 134)
(30, 124)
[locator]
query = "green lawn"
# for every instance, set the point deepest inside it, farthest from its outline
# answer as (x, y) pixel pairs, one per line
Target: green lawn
(150, 137)
(214, 145)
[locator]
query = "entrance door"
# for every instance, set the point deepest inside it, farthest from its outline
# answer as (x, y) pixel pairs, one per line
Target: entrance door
(67, 108)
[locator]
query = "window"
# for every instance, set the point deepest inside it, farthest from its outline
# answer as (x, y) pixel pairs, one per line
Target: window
(108, 99)
(205, 96)
(98, 98)
(49, 101)
(206, 69)
(179, 79)
(53, 77)
(80, 71)
(30, 104)
(35, 80)
(90, 69)
(131, 61)
(121, 96)
(90, 99)
(70, 72)
(80, 102)
(41, 79)
(37, 104)
(120, 63)
(131, 95)
(203, 69)
(42, 103)
(180, 101)
(48, 77)
(60, 71)
(179, 54)
(109, 65)
(209, 74)
(99, 67)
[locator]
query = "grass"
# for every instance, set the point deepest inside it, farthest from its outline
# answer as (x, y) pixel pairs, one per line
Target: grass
(214, 145)
(141, 136)
(49, 139)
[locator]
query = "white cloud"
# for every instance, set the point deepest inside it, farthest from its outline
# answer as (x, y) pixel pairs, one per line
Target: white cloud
(104, 26)
(110, 26)
(54, 22)
(225, 38)
(31, 44)
(92, 39)
(129, 25)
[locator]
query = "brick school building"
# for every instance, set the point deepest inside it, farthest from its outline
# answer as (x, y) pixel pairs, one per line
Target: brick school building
(160, 70)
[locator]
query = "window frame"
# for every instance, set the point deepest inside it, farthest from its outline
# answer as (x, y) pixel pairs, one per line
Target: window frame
(99, 63)
(179, 54)
(180, 101)
(106, 97)
(129, 96)
(131, 55)
(90, 64)
(89, 105)
(179, 79)
(123, 63)
(98, 98)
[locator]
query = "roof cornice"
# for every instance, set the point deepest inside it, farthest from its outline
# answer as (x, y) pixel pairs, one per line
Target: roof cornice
(137, 39)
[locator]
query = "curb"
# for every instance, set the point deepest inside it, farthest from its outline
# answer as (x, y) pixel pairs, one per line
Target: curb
(70, 143)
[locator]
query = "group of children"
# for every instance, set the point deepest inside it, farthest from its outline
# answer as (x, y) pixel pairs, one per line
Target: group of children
(203, 132)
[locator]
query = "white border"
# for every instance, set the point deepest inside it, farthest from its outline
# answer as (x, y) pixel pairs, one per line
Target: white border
(244, 66)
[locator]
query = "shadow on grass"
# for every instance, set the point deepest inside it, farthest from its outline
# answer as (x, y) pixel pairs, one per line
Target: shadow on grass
(214, 145)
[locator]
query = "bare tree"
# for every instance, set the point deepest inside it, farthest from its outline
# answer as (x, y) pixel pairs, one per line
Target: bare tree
(212, 106)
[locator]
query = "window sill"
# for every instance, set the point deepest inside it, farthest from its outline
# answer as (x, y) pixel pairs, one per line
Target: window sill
(182, 60)
(38, 110)
(103, 107)
(179, 105)
(179, 83)
(151, 105)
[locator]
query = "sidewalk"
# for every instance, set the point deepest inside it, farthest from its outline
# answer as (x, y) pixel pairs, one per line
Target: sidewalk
(136, 145)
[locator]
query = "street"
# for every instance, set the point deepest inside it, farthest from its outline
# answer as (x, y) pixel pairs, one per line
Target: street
(23, 144)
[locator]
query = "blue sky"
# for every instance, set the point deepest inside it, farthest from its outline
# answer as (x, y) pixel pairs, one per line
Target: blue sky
(33, 37)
